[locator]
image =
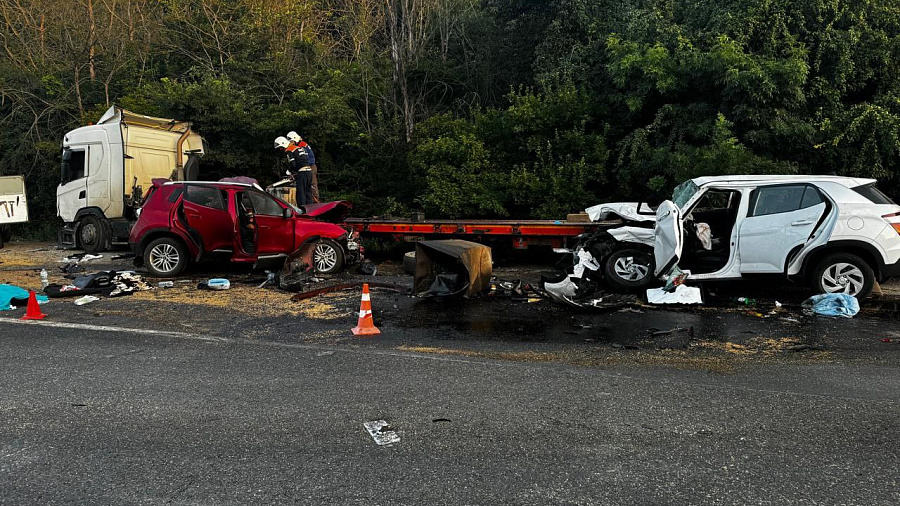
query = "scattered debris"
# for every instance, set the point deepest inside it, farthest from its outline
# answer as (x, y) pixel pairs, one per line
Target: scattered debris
(299, 268)
(831, 304)
(382, 433)
(166, 284)
(656, 333)
(214, 284)
(80, 257)
(87, 299)
(11, 296)
(71, 268)
(368, 269)
(347, 286)
(452, 268)
(270, 279)
(682, 295)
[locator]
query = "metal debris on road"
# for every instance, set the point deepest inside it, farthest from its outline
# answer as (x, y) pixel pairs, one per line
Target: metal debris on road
(382, 433)
(346, 286)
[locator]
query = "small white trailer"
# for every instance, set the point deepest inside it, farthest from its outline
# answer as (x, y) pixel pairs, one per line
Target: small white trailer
(13, 205)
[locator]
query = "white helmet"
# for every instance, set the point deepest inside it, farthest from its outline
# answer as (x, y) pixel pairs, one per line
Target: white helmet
(294, 136)
(282, 143)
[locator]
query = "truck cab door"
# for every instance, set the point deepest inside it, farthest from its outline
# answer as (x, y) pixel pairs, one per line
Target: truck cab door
(668, 240)
(71, 194)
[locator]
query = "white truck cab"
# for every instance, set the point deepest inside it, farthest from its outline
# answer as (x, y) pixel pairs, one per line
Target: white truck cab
(107, 167)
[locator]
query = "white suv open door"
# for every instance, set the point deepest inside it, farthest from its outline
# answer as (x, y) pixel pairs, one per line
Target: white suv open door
(668, 237)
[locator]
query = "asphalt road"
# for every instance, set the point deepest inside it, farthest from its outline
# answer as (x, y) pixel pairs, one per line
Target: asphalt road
(107, 417)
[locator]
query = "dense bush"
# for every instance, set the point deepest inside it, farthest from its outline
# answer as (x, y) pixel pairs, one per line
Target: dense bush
(481, 108)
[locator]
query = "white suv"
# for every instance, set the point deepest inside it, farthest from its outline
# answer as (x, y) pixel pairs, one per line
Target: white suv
(839, 233)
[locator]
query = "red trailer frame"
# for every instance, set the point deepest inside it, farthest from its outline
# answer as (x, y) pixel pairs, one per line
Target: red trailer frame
(521, 233)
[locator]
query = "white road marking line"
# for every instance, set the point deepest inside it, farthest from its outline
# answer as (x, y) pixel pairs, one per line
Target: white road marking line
(381, 433)
(104, 328)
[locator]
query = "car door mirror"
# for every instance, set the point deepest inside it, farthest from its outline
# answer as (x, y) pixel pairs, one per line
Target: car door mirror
(287, 213)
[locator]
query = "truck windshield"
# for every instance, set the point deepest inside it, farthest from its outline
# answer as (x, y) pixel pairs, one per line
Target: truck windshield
(683, 193)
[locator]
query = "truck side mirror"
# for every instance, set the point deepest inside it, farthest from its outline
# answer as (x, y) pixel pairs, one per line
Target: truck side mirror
(287, 213)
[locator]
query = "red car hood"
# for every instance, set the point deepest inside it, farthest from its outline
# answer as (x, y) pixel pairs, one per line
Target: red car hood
(333, 212)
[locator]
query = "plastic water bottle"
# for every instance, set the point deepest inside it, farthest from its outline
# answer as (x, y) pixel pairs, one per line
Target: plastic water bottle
(44, 280)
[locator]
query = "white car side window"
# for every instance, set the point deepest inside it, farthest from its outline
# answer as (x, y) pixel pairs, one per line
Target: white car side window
(783, 199)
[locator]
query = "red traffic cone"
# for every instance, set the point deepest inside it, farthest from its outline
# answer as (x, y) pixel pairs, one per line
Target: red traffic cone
(33, 312)
(365, 326)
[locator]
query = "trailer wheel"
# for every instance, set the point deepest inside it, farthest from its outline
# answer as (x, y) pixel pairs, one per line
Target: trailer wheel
(629, 270)
(93, 234)
(409, 263)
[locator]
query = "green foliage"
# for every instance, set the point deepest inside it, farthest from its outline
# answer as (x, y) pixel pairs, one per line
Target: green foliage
(487, 108)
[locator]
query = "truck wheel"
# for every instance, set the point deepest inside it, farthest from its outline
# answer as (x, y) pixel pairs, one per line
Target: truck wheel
(165, 257)
(409, 263)
(629, 270)
(93, 234)
(5, 234)
(328, 257)
(843, 273)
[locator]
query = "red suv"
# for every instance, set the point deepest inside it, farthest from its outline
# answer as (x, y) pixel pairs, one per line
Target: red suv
(194, 221)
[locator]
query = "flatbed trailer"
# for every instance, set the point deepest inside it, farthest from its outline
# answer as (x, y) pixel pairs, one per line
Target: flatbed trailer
(521, 234)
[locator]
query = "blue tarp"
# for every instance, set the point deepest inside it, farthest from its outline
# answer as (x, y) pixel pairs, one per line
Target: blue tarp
(832, 304)
(10, 292)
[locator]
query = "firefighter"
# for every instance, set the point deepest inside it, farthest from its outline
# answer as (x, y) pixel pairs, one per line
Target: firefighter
(295, 139)
(299, 168)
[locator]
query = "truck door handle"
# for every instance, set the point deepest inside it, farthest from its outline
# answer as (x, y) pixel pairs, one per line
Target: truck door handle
(800, 223)
(193, 216)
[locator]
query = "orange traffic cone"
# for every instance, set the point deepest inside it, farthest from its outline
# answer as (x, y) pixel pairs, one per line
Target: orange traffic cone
(366, 326)
(33, 312)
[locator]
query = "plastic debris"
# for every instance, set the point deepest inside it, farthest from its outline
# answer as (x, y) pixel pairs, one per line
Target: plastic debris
(831, 304)
(675, 279)
(382, 433)
(682, 295)
(87, 299)
(166, 284)
(218, 284)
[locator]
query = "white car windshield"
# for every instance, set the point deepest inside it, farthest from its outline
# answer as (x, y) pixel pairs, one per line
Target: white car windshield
(684, 192)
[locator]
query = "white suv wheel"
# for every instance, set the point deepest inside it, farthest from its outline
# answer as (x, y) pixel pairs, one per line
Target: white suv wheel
(844, 273)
